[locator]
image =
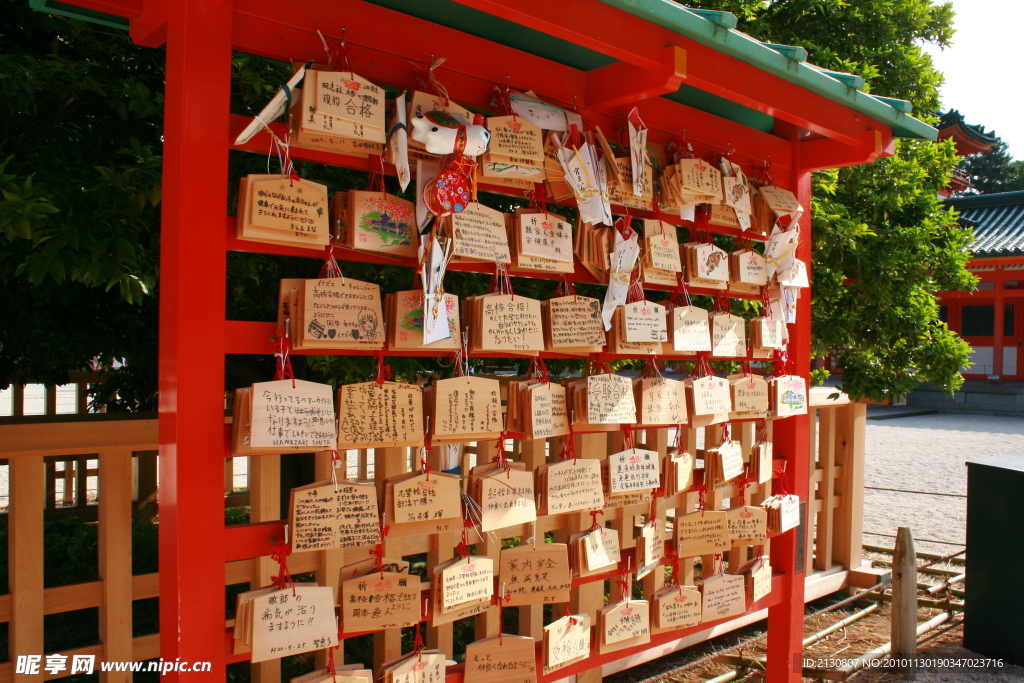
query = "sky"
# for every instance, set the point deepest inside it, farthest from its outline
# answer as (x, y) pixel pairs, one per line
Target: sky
(984, 68)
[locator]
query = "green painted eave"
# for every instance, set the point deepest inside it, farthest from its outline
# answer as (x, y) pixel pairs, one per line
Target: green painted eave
(741, 46)
(65, 9)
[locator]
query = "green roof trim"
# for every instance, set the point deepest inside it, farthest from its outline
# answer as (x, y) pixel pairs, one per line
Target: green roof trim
(692, 25)
(66, 9)
(794, 52)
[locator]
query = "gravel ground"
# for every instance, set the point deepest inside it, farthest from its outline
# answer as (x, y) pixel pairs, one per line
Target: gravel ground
(928, 453)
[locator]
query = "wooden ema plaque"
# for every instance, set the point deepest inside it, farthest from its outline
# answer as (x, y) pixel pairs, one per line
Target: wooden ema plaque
(547, 412)
(622, 195)
(292, 621)
(566, 640)
(465, 409)
(426, 666)
(285, 416)
(709, 396)
(748, 525)
(341, 104)
(571, 485)
(345, 673)
(691, 329)
(372, 415)
(650, 547)
(544, 235)
(702, 533)
(369, 565)
(761, 462)
(676, 607)
(242, 635)
(478, 234)
(783, 512)
(381, 223)
(767, 333)
(645, 321)
(621, 499)
(722, 463)
(698, 177)
(661, 401)
(323, 516)
(623, 625)
(662, 243)
(572, 325)
(505, 498)
(282, 211)
(464, 580)
(749, 396)
(430, 502)
(594, 551)
(788, 395)
(405, 317)
(677, 471)
(535, 574)
(332, 313)
(722, 596)
(610, 400)
(758, 577)
(706, 265)
(501, 659)
(505, 323)
(728, 336)
(634, 469)
(516, 149)
(379, 600)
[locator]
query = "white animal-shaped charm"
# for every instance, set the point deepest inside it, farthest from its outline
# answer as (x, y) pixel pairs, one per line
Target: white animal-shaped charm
(442, 134)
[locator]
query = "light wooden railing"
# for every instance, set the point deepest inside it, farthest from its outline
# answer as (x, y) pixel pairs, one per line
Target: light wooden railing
(833, 540)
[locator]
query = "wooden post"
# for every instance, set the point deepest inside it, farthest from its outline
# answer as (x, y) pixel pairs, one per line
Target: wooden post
(588, 598)
(17, 400)
(25, 557)
(903, 618)
(50, 400)
(531, 617)
(847, 546)
(115, 560)
(827, 435)
(331, 561)
(147, 481)
(265, 506)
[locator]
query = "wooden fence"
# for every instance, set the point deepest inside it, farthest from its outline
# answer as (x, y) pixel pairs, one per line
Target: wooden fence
(31, 447)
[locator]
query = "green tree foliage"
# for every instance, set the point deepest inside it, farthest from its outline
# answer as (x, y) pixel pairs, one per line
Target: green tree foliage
(883, 242)
(994, 171)
(80, 126)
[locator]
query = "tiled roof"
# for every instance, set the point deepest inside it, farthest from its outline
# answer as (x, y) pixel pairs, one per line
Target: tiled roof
(998, 221)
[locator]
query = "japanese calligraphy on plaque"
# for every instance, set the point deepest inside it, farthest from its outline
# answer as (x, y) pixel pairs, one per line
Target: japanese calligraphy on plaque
(504, 659)
(372, 415)
(573, 485)
(324, 516)
(702, 533)
(610, 400)
(292, 621)
(379, 600)
(634, 469)
(289, 414)
(535, 575)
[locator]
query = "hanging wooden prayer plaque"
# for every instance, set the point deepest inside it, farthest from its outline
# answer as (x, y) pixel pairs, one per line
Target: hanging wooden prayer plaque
(788, 395)
(506, 499)
(728, 336)
(507, 322)
(566, 640)
(702, 533)
(675, 607)
(624, 624)
(662, 246)
(545, 235)
(748, 525)
(465, 580)
(289, 415)
(645, 322)
(677, 471)
(425, 666)
(379, 600)
(691, 329)
(548, 414)
(382, 223)
(572, 485)
(386, 415)
(661, 401)
(501, 659)
(324, 516)
(758, 576)
(723, 595)
(749, 396)
(292, 621)
(405, 318)
(594, 551)
(282, 211)
(634, 469)
(650, 547)
(336, 313)
(535, 574)
(779, 199)
(573, 324)
(766, 333)
(433, 497)
(761, 462)
(478, 234)
(610, 400)
(369, 565)
(346, 104)
(709, 396)
(465, 408)
(622, 498)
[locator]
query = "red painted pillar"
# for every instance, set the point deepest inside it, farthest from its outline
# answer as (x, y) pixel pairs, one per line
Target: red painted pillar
(1000, 323)
(790, 436)
(192, 304)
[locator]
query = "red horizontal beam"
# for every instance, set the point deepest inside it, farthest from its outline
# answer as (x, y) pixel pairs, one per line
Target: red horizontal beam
(631, 39)
(246, 541)
(473, 69)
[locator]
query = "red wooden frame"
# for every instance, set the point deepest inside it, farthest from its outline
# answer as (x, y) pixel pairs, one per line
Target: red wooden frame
(194, 335)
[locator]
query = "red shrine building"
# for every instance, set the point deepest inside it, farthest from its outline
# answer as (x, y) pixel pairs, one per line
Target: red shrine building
(991, 318)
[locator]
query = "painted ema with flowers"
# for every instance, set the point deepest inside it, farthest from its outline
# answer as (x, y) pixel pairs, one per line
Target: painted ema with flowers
(382, 223)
